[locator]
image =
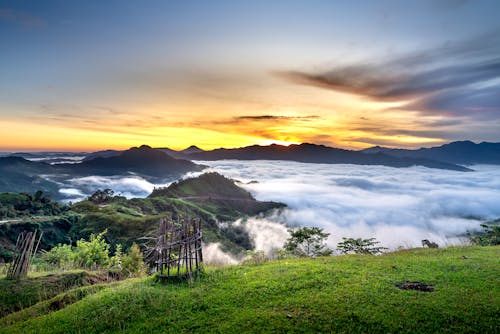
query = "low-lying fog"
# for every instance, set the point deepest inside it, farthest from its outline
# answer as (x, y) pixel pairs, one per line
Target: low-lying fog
(399, 207)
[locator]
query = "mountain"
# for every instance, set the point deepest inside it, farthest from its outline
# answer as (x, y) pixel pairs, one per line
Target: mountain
(183, 154)
(191, 149)
(142, 160)
(312, 153)
(215, 189)
(458, 152)
(102, 154)
(20, 175)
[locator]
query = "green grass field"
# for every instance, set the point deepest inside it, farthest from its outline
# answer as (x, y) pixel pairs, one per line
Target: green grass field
(345, 294)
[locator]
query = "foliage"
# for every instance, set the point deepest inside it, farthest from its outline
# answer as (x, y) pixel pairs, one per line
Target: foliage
(14, 205)
(102, 196)
(307, 242)
(359, 246)
(341, 294)
(62, 256)
(489, 236)
(93, 253)
(116, 260)
(133, 262)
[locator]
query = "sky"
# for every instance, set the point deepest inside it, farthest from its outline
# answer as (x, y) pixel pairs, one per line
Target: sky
(89, 75)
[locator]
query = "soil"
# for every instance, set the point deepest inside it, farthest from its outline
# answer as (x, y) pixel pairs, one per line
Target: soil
(419, 286)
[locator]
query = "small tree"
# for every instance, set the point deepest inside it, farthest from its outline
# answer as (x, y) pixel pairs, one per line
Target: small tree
(489, 236)
(359, 246)
(133, 262)
(307, 242)
(101, 196)
(117, 259)
(61, 256)
(93, 253)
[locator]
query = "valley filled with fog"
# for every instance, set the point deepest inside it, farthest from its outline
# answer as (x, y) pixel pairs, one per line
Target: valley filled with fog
(398, 206)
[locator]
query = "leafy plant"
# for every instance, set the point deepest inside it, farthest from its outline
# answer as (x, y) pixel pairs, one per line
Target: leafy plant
(133, 262)
(93, 253)
(116, 260)
(359, 246)
(490, 236)
(62, 256)
(307, 242)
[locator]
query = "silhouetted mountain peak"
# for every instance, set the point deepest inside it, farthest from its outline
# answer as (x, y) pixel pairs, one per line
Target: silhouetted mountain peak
(191, 149)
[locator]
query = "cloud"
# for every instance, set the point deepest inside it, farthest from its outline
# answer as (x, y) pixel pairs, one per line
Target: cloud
(274, 117)
(129, 186)
(399, 207)
(266, 235)
(213, 255)
(459, 78)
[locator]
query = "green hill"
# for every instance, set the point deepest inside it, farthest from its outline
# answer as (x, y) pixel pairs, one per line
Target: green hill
(217, 191)
(346, 294)
(212, 198)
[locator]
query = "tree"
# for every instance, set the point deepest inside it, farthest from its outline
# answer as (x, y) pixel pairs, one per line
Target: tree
(359, 246)
(307, 242)
(489, 236)
(102, 196)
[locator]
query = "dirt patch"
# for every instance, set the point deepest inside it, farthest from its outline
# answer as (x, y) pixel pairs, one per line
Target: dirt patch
(419, 286)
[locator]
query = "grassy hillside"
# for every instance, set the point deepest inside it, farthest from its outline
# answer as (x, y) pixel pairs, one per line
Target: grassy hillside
(347, 294)
(211, 197)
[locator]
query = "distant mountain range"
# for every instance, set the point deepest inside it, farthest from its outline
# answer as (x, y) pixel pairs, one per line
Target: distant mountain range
(311, 153)
(28, 172)
(458, 152)
(20, 175)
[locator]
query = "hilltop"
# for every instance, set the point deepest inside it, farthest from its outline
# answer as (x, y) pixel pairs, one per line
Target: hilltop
(213, 188)
(344, 294)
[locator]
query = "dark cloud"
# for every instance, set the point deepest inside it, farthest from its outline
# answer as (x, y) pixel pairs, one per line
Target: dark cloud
(274, 117)
(456, 79)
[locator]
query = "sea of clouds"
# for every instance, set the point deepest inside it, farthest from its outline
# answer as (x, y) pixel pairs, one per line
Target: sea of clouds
(397, 206)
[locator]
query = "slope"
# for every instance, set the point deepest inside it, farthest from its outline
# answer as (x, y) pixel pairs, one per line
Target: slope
(347, 294)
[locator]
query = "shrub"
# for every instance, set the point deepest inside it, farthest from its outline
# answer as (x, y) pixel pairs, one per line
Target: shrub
(359, 246)
(61, 256)
(93, 253)
(490, 236)
(133, 262)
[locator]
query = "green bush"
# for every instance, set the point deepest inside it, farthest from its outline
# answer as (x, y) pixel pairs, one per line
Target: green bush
(489, 236)
(133, 262)
(93, 253)
(62, 256)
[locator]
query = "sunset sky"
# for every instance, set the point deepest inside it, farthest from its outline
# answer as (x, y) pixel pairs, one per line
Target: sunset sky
(89, 75)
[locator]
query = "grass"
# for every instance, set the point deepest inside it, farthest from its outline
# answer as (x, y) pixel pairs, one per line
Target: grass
(18, 295)
(346, 294)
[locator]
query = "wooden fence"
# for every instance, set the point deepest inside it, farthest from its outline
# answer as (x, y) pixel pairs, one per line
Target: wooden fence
(178, 250)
